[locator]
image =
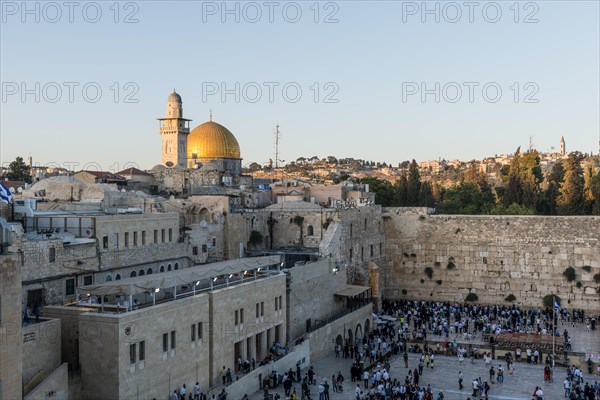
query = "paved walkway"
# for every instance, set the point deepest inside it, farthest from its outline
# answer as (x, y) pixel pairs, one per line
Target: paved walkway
(444, 377)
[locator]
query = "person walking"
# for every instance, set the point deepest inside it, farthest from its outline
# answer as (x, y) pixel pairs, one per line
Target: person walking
(492, 374)
(460, 380)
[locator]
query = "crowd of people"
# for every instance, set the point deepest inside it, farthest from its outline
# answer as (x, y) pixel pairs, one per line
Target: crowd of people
(453, 322)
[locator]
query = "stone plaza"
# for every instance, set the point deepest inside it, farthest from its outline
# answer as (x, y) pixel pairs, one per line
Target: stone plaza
(444, 377)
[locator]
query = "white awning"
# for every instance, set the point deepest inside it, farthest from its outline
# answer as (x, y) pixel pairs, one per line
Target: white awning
(351, 290)
(185, 276)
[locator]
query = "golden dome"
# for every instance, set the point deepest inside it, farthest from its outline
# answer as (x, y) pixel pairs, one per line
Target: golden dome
(212, 140)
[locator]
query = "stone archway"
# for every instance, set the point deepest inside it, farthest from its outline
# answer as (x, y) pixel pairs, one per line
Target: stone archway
(205, 215)
(358, 333)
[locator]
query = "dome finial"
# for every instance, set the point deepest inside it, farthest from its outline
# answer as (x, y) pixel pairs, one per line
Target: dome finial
(211, 115)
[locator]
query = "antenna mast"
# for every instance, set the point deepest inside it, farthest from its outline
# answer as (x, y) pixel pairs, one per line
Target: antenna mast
(277, 138)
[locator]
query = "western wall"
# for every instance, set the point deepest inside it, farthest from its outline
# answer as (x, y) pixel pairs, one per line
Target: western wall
(446, 257)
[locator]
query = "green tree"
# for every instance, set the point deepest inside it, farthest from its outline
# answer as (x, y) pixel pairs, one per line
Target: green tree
(426, 198)
(413, 184)
(384, 190)
(524, 179)
(571, 200)
(401, 187)
(19, 171)
(547, 203)
(465, 198)
(595, 189)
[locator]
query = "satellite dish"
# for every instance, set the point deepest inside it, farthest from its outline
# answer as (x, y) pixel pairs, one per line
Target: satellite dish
(11, 189)
(169, 164)
(123, 190)
(19, 189)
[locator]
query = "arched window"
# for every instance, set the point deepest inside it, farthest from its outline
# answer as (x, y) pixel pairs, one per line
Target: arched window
(176, 266)
(142, 273)
(310, 230)
(118, 277)
(108, 278)
(149, 271)
(162, 268)
(132, 275)
(169, 267)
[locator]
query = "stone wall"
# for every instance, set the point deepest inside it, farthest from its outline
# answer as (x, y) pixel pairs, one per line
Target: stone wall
(311, 295)
(249, 383)
(491, 256)
(41, 351)
(252, 336)
(69, 332)
(350, 327)
(11, 338)
(105, 339)
(56, 385)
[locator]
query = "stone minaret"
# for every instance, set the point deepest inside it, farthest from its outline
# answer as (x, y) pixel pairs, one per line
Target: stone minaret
(563, 149)
(174, 130)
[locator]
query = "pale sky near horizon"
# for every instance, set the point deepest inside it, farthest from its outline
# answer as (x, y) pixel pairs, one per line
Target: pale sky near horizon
(361, 68)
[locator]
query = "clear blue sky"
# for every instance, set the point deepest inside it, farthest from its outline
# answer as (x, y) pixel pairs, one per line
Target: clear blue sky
(371, 55)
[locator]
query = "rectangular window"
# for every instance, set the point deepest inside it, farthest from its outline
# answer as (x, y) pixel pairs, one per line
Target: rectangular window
(262, 309)
(116, 241)
(87, 280)
(172, 340)
(134, 238)
(276, 301)
(199, 330)
(165, 341)
(204, 248)
(105, 242)
(170, 235)
(132, 353)
(241, 316)
(70, 286)
(193, 333)
(237, 320)
(371, 250)
(214, 241)
(126, 239)
(362, 253)
(156, 236)
(280, 302)
(143, 238)
(142, 350)
(162, 235)
(258, 310)
(380, 249)
(195, 250)
(351, 251)
(51, 254)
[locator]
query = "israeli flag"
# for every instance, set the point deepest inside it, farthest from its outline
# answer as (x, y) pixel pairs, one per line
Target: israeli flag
(556, 306)
(5, 194)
